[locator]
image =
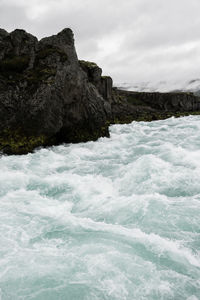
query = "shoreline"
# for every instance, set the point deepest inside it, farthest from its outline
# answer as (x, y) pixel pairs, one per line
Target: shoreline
(49, 97)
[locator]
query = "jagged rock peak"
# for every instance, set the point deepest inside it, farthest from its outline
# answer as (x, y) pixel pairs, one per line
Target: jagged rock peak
(63, 37)
(3, 32)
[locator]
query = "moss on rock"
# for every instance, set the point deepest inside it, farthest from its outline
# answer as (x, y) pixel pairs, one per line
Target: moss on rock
(88, 64)
(150, 116)
(49, 50)
(40, 74)
(16, 142)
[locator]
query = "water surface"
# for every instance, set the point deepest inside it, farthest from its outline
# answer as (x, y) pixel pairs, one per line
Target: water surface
(114, 219)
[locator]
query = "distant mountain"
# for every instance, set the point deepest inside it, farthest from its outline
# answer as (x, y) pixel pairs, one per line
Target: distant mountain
(163, 86)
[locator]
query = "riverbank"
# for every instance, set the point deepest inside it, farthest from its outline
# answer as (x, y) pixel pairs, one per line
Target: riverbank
(49, 97)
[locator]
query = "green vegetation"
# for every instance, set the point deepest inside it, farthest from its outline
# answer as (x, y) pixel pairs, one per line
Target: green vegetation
(15, 142)
(84, 135)
(105, 77)
(87, 64)
(151, 116)
(47, 51)
(39, 74)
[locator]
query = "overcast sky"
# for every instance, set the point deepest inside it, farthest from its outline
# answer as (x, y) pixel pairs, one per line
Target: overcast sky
(132, 40)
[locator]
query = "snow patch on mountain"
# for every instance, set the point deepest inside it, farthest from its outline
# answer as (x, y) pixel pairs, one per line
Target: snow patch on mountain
(162, 86)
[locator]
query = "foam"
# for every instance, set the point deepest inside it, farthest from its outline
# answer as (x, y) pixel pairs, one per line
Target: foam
(113, 219)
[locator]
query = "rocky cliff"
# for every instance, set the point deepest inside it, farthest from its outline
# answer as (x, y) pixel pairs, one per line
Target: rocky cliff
(48, 96)
(45, 95)
(128, 105)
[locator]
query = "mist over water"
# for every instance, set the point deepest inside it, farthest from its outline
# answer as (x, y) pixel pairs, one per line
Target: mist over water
(118, 218)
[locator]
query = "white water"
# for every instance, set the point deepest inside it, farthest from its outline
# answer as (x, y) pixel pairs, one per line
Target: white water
(114, 219)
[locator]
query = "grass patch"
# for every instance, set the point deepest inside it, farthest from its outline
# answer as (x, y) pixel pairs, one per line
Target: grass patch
(87, 64)
(15, 142)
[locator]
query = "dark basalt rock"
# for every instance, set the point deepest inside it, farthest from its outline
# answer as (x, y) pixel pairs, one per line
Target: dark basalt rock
(45, 96)
(48, 96)
(104, 84)
(128, 105)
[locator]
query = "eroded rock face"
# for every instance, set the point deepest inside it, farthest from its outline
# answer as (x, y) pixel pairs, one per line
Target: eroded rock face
(45, 96)
(48, 96)
(176, 101)
(128, 105)
(104, 84)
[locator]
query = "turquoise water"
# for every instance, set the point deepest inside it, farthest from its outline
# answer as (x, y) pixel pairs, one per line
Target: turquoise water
(114, 219)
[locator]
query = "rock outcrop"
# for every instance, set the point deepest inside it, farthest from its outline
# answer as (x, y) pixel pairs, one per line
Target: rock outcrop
(48, 96)
(45, 95)
(128, 105)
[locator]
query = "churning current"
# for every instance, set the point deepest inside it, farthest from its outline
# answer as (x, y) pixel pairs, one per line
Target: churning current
(118, 218)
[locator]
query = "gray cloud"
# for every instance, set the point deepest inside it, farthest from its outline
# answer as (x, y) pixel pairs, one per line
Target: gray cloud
(132, 40)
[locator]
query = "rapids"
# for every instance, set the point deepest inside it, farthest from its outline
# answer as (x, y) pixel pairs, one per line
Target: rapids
(118, 218)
